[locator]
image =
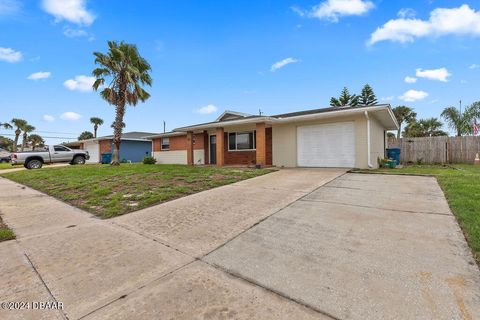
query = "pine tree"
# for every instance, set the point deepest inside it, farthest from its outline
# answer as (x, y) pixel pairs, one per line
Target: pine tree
(345, 99)
(367, 97)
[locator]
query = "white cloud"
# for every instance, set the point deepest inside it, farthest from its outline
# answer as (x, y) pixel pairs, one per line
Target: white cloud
(9, 7)
(48, 118)
(456, 21)
(10, 55)
(410, 79)
(72, 116)
(406, 13)
(282, 63)
(332, 10)
(440, 74)
(208, 109)
(389, 98)
(474, 66)
(74, 33)
(39, 75)
(413, 95)
(80, 83)
(74, 11)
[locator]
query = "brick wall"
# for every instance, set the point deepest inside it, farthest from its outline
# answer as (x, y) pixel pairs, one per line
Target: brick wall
(180, 143)
(237, 157)
(105, 146)
(268, 138)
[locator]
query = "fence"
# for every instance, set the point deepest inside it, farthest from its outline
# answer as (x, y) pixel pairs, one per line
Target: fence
(437, 149)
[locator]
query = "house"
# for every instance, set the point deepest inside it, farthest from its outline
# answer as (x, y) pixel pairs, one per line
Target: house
(330, 137)
(134, 147)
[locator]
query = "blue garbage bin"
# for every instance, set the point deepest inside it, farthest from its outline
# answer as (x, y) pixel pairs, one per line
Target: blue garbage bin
(106, 158)
(394, 154)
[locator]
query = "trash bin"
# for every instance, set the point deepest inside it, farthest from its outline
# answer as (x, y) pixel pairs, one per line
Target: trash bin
(394, 153)
(106, 158)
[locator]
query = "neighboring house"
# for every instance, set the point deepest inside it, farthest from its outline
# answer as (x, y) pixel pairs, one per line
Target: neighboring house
(134, 147)
(331, 137)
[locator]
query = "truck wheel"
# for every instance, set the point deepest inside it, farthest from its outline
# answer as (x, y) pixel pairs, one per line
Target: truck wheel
(78, 160)
(34, 164)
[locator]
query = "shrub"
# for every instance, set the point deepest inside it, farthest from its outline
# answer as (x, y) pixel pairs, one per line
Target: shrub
(149, 160)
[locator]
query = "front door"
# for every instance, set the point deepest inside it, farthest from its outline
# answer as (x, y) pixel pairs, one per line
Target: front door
(213, 149)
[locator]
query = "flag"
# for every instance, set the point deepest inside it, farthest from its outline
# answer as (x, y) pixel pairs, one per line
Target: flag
(475, 127)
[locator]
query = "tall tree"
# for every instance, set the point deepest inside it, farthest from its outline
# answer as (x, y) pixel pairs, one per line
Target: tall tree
(18, 124)
(126, 72)
(85, 135)
(461, 122)
(96, 122)
(26, 130)
(403, 114)
(430, 127)
(6, 143)
(345, 99)
(367, 97)
(6, 125)
(36, 141)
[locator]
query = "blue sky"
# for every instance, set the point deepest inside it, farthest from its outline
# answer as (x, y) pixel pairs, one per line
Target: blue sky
(277, 56)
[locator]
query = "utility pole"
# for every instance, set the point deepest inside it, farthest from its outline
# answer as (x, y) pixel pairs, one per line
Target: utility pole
(164, 126)
(260, 111)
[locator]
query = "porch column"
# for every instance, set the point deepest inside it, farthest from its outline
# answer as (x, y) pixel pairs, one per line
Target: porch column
(220, 147)
(206, 147)
(190, 148)
(261, 144)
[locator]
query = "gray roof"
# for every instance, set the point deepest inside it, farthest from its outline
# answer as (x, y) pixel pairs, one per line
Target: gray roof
(134, 135)
(322, 110)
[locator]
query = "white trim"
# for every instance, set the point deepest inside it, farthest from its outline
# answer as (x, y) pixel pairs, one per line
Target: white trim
(369, 160)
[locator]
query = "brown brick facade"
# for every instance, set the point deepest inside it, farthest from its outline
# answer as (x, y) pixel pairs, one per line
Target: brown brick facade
(268, 137)
(180, 143)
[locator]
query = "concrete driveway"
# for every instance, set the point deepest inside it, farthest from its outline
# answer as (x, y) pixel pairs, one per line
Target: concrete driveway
(295, 244)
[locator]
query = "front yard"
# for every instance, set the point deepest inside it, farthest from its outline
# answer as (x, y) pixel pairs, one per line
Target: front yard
(5, 232)
(461, 185)
(109, 191)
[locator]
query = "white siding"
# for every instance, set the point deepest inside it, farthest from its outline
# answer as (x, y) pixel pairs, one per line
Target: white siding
(171, 157)
(199, 156)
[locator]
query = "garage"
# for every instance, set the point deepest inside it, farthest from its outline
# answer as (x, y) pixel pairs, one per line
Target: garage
(93, 150)
(326, 145)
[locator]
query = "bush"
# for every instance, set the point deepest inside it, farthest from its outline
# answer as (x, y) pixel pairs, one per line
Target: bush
(149, 160)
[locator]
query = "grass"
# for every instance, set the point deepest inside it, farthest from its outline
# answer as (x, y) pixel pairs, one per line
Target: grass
(461, 185)
(109, 191)
(4, 166)
(5, 232)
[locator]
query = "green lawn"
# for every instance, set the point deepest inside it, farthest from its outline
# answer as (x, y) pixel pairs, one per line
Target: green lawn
(5, 232)
(7, 166)
(461, 185)
(109, 191)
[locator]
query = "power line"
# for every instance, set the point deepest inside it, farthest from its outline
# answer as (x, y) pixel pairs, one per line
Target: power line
(12, 135)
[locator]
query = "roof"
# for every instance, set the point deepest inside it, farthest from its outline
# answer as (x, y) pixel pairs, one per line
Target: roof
(231, 115)
(134, 136)
(381, 111)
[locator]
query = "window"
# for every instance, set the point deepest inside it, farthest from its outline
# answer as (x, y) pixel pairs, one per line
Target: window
(165, 144)
(60, 148)
(241, 140)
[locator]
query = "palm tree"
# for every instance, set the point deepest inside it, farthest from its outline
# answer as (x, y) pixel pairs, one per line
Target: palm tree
(367, 97)
(6, 125)
(403, 114)
(127, 71)
(345, 99)
(36, 141)
(26, 130)
(431, 127)
(18, 124)
(460, 122)
(96, 122)
(85, 135)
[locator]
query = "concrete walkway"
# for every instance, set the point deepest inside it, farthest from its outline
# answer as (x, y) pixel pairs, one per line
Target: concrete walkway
(146, 264)
(295, 244)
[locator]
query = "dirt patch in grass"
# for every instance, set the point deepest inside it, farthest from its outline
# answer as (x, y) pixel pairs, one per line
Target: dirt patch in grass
(109, 191)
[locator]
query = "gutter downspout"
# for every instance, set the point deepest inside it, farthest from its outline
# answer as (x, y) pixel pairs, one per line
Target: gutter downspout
(369, 162)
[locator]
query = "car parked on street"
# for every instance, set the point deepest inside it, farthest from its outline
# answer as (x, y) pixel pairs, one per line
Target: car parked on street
(49, 155)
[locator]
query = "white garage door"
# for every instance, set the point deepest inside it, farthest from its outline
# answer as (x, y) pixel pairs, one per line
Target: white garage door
(93, 150)
(326, 145)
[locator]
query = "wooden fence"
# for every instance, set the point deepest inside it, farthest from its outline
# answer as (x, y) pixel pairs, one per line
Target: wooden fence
(437, 149)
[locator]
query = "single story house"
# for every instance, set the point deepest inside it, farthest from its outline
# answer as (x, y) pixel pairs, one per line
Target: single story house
(134, 147)
(350, 137)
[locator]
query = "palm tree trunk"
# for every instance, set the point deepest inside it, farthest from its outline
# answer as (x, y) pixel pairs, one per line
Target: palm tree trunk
(15, 142)
(95, 127)
(24, 141)
(117, 134)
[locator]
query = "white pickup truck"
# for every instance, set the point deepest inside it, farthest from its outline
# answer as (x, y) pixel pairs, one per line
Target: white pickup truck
(50, 154)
